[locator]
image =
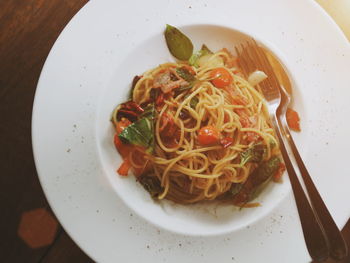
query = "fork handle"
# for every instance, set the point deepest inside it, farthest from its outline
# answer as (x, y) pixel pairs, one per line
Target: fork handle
(338, 247)
(314, 235)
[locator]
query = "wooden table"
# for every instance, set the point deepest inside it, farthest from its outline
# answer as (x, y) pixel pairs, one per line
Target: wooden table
(29, 231)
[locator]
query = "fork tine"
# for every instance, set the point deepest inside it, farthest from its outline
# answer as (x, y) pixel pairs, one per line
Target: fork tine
(253, 57)
(266, 64)
(242, 63)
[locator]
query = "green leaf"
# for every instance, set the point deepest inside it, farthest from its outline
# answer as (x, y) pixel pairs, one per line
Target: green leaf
(185, 74)
(200, 53)
(194, 101)
(149, 112)
(257, 180)
(235, 189)
(272, 143)
(141, 132)
(265, 170)
(182, 89)
(206, 49)
(253, 154)
(179, 45)
(262, 175)
(151, 185)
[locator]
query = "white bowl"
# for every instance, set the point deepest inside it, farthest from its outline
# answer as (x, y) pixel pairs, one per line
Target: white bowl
(198, 219)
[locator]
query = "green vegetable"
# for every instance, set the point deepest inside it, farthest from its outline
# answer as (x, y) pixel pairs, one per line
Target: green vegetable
(263, 174)
(257, 180)
(141, 132)
(182, 89)
(149, 112)
(253, 154)
(272, 143)
(265, 170)
(206, 50)
(200, 53)
(179, 45)
(193, 102)
(151, 185)
(185, 74)
(235, 189)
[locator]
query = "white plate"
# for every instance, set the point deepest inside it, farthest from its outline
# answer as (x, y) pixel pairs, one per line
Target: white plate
(199, 219)
(73, 96)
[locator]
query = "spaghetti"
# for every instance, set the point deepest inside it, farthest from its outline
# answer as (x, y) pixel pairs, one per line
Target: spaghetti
(197, 132)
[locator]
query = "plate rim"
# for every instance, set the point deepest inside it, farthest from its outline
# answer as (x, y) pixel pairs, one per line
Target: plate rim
(35, 106)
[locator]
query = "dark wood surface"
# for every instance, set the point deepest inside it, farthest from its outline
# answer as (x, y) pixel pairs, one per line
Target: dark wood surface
(28, 29)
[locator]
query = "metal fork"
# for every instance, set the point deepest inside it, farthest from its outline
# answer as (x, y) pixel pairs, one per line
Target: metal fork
(252, 57)
(337, 244)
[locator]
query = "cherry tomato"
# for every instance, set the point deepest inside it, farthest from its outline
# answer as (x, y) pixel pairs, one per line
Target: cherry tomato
(122, 124)
(208, 135)
(221, 77)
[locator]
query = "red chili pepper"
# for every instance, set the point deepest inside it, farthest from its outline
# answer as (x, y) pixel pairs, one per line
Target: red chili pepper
(226, 142)
(128, 112)
(131, 105)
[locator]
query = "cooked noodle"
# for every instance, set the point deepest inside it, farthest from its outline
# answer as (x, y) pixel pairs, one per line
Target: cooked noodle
(187, 171)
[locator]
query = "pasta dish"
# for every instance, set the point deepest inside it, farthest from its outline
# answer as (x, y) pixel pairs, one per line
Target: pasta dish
(198, 129)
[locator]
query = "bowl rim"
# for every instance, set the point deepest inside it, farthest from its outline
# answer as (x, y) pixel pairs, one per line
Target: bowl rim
(283, 61)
